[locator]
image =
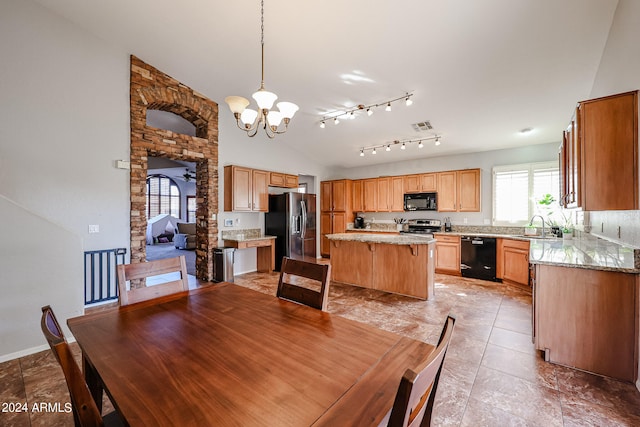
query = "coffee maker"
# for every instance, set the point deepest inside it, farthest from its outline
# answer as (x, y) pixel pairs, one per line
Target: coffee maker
(359, 222)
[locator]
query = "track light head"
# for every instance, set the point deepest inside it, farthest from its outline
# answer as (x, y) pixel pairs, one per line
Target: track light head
(388, 148)
(336, 121)
(362, 152)
(369, 111)
(408, 101)
(388, 108)
(403, 147)
(437, 140)
(322, 125)
(420, 144)
(374, 151)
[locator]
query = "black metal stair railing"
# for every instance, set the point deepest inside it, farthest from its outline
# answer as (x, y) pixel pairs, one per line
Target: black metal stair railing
(100, 279)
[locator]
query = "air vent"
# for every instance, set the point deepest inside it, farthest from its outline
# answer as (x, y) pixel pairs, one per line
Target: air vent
(422, 126)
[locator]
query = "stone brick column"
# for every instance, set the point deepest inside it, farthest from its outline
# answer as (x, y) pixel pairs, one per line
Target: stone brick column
(152, 89)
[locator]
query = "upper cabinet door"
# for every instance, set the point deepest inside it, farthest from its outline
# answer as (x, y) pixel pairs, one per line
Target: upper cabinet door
(396, 196)
(260, 189)
(325, 196)
(370, 194)
(428, 182)
(412, 183)
(383, 195)
(447, 191)
(339, 195)
(609, 152)
(469, 190)
(357, 193)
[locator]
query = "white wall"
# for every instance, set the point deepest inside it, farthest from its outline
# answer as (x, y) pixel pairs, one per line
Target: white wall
(64, 120)
(485, 160)
(38, 269)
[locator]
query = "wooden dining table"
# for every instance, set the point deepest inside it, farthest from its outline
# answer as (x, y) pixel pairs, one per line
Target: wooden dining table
(228, 355)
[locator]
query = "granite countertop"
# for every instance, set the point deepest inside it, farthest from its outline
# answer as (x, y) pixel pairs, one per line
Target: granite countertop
(241, 238)
(392, 239)
(591, 253)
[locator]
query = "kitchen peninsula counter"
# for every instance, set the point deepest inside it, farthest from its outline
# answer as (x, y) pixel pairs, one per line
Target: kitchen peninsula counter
(402, 264)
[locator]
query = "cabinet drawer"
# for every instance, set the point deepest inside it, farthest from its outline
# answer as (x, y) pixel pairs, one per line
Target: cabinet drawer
(516, 244)
(447, 239)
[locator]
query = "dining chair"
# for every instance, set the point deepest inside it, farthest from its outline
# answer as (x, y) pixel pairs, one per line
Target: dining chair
(294, 291)
(84, 408)
(413, 404)
(144, 270)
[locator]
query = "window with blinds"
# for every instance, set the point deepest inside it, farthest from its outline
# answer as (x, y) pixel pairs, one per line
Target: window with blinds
(517, 189)
(163, 196)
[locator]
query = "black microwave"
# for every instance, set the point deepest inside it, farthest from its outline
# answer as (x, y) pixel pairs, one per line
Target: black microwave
(421, 202)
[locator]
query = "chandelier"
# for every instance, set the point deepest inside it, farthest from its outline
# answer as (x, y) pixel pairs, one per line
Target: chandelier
(264, 117)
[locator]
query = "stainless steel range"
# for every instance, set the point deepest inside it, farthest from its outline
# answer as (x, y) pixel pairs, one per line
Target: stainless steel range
(422, 226)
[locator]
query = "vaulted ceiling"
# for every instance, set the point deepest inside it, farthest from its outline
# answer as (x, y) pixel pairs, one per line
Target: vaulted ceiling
(479, 70)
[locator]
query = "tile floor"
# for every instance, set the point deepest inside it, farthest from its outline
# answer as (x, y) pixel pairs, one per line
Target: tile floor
(492, 374)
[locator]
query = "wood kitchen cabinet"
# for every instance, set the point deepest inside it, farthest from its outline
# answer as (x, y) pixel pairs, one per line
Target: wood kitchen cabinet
(459, 191)
(335, 210)
(357, 203)
(419, 183)
(608, 143)
(512, 259)
(370, 195)
(587, 319)
(330, 223)
(383, 194)
(570, 192)
(396, 194)
(335, 196)
(447, 254)
(283, 180)
(245, 189)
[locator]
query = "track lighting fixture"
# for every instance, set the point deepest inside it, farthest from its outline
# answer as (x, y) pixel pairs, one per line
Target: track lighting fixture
(322, 124)
(403, 144)
(336, 121)
(352, 113)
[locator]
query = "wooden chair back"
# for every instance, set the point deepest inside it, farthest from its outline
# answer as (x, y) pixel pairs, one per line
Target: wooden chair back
(85, 410)
(295, 292)
(143, 270)
(417, 391)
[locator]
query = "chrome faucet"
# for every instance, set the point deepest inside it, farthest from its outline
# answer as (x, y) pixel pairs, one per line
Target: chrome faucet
(541, 219)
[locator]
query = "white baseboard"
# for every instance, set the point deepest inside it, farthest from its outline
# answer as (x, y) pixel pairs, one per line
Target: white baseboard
(22, 353)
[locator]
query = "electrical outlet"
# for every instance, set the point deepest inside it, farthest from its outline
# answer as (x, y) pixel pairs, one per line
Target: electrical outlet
(94, 228)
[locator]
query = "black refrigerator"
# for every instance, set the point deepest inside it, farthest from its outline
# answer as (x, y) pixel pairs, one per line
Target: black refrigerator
(292, 219)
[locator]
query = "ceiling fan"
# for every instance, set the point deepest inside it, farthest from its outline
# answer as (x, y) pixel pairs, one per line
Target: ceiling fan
(187, 175)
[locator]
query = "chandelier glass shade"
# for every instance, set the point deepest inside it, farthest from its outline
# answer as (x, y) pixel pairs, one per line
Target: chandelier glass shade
(272, 121)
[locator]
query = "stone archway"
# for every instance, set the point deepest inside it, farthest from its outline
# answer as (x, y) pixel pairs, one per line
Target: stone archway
(151, 89)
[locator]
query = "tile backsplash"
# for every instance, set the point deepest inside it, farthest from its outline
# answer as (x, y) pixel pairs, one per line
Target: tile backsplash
(618, 226)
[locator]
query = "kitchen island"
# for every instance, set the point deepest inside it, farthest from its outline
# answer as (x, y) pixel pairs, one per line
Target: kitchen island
(402, 264)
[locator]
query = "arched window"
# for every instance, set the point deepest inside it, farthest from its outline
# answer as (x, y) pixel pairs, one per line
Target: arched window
(163, 196)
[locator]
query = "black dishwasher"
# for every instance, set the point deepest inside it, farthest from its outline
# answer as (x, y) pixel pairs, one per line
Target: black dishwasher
(478, 257)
